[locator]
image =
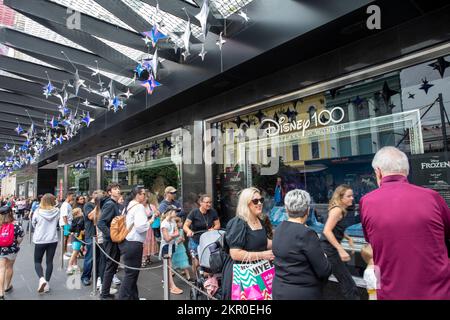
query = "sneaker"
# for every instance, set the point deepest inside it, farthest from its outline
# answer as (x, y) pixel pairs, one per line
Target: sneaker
(113, 291)
(99, 284)
(42, 284)
(116, 280)
(70, 270)
(66, 257)
(107, 297)
(85, 282)
(142, 298)
(47, 287)
(67, 254)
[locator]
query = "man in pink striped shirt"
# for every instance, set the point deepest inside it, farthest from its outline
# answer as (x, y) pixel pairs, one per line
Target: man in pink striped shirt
(407, 226)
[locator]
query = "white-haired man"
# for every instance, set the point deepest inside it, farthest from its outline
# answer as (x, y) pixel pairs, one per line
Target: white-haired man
(407, 226)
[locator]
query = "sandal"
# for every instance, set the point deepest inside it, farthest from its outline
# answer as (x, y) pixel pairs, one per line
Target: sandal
(9, 288)
(176, 290)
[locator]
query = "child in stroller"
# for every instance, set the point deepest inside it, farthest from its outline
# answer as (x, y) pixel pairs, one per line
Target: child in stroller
(209, 274)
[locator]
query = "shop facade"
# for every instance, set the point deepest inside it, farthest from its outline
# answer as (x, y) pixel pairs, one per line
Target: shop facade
(326, 135)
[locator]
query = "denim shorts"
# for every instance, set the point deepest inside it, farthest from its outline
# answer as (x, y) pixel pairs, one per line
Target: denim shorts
(165, 250)
(10, 257)
(192, 245)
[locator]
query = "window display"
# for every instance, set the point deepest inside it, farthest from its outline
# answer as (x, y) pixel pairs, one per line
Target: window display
(155, 164)
(78, 177)
(318, 142)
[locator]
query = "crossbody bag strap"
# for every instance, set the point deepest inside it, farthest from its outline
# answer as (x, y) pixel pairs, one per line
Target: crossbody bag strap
(126, 210)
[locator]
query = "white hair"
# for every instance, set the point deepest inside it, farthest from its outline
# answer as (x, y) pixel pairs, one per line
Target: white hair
(391, 160)
(297, 203)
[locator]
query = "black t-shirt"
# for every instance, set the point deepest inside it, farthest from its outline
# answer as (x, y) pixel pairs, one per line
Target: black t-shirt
(299, 258)
(89, 228)
(201, 221)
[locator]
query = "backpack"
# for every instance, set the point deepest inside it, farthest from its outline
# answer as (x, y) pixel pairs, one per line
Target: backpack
(7, 235)
(118, 230)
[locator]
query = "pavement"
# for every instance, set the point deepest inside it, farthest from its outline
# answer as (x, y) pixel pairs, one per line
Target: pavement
(150, 286)
(25, 280)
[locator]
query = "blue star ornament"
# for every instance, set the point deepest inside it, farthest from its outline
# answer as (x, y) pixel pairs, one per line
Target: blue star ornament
(6, 147)
(48, 89)
(87, 119)
(53, 123)
(18, 129)
(155, 35)
(116, 104)
(150, 84)
(63, 110)
(139, 69)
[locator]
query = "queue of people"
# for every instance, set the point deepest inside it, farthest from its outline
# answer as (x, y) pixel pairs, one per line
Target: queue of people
(403, 224)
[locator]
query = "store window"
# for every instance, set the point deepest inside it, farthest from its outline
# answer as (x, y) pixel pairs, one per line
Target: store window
(330, 138)
(78, 177)
(154, 164)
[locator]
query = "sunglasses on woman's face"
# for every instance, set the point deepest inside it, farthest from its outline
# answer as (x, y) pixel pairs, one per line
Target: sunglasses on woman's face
(256, 201)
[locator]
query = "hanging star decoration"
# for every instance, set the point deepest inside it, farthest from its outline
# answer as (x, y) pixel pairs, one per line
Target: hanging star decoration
(411, 95)
(244, 16)
(154, 35)
(78, 82)
(139, 69)
(128, 94)
(18, 129)
(202, 17)
(260, 116)
(440, 65)
(63, 110)
(221, 41)
(150, 84)
(6, 147)
(203, 52)
(154, 63)
(186, 36)
(96, 71)
(387, 93)
(426, 85)
(53, 123)
(87, 119)
(48, 89)
(116, 104)
(292, 115)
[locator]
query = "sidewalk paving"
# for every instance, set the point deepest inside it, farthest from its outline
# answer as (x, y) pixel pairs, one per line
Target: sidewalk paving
(25, 280)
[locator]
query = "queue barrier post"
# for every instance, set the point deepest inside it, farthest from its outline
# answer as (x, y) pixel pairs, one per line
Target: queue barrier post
(94, 265)
(166, 276)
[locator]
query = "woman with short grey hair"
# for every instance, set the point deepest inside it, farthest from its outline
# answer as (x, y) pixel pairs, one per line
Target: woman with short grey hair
(301, 267)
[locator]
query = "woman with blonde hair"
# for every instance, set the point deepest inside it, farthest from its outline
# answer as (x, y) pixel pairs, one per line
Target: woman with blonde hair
(150, 244)
(11, 237)
(45, 238)
(246, 236)
(333, 233)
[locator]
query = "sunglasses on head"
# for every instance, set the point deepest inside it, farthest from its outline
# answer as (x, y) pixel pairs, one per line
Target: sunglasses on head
(256, 201)
(173, 192)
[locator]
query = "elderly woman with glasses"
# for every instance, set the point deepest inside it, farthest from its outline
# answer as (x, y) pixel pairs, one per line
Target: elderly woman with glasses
(246, 236)
(301, 267)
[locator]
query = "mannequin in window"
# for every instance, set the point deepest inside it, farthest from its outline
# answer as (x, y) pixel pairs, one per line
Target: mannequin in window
(279, 192)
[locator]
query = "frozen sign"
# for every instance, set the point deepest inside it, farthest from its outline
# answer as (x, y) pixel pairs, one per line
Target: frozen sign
(323, 118)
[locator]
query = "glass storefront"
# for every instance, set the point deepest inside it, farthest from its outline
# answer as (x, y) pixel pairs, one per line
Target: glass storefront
(318, 142)
(78, 176)
(155, 163)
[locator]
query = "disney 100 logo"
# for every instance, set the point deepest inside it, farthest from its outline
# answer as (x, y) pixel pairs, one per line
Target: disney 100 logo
(323, 118)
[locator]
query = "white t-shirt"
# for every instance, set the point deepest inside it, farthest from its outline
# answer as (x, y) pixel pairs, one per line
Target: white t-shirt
(66, 211)
(171, 228)
(137, 216)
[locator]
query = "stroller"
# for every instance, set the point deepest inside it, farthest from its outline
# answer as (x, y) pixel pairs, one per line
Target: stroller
(211, 243)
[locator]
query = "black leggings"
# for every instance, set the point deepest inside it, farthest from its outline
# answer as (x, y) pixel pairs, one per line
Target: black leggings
(39, 250)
